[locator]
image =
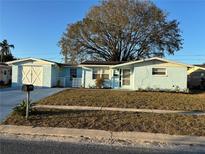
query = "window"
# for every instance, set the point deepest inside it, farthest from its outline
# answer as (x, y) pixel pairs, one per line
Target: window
(96, 73)
(126, 77)
(116, 73)
(101, 73)
(105, 74)
(158, 71)
(5, 72)
(73, 73)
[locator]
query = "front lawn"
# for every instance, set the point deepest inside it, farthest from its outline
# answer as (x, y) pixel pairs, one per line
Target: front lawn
(127, 99)
(113, 121)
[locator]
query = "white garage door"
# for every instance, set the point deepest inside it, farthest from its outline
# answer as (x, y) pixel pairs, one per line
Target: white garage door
(32, 75)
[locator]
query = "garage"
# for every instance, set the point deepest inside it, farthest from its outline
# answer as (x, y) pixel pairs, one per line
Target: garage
(39, 72)
(32, 75)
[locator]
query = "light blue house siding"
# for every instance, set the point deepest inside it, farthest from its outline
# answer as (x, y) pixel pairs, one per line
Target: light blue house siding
(65, 77)
(54, 75)
(175, 79)
(44, 73)
(17, 76)
(115, 82)
(142, 77)
(89, 82)
(15, 79)
(137, 75)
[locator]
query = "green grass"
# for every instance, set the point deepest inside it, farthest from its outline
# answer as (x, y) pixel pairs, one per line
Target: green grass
(113, 121)
(128, 99)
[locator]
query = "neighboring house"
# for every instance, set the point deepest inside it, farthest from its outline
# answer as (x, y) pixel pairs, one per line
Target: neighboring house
(196, 78)
(44, 73)
(5, 74)
(148, 74)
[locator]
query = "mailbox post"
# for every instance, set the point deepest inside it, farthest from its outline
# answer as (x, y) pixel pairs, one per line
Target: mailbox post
(27, 88)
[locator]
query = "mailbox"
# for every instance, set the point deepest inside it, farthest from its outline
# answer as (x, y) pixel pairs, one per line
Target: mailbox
(27, 87)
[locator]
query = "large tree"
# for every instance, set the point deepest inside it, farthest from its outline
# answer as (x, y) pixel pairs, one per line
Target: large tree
(122, 30)
(5, 52)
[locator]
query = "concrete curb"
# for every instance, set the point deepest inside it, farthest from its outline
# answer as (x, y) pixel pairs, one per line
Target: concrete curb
(91, 108)
(133, 137)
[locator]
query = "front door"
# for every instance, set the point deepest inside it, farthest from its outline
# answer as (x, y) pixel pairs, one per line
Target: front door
(126, 78)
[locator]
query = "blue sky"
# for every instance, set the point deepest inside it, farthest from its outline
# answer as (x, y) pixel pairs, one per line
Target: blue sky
(35, 26)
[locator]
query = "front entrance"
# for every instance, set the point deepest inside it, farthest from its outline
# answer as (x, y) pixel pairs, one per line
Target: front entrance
(75, 82)
(125, 78)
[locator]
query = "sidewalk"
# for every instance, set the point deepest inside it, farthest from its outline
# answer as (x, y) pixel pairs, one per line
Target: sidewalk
(103, 136)
(90, 108)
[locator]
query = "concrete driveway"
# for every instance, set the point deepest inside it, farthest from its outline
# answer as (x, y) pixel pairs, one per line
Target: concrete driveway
(10, 97)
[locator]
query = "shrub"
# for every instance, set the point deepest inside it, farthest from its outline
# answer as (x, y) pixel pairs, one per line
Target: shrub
(99, 82)
(21, 108)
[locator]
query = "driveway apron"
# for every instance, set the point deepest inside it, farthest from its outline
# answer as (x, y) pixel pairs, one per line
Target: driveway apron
(11, 97)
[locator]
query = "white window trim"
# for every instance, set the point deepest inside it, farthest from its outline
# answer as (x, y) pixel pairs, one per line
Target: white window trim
(158, 75)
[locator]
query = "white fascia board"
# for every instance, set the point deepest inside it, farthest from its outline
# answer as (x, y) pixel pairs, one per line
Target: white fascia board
(154, 58)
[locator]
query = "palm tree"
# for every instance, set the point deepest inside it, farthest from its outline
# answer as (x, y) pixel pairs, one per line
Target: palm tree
(5, 49)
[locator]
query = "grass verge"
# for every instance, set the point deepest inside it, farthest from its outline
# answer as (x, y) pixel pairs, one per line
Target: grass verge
(128, 99)
(113, 121)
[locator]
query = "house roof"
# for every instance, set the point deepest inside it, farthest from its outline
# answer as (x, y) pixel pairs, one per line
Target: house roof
(37, 59)
(27, 59)
(150, 59)
(4, 64)
(203, 65)
(101, 63)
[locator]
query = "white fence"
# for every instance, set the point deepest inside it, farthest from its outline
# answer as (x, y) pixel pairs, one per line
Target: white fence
(76, 82)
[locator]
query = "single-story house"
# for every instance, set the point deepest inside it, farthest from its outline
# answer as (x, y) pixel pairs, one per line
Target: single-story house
(44, 73)
(148, 74)
(196, 78)
(5, 74)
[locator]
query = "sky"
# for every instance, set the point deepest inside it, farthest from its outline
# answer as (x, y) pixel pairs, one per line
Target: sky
(36, 26)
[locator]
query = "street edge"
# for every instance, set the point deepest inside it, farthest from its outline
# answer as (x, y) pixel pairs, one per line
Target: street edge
(129, 137)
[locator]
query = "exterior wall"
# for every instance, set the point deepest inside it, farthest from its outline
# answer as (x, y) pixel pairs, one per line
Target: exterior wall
(17, 74)
(175, 79)
(89, 82)
(140, 78)
(47, 72)
(64, 76)
(54, 76)
(14, 76)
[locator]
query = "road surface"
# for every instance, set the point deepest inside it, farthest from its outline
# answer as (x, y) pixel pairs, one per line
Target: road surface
(13, 146)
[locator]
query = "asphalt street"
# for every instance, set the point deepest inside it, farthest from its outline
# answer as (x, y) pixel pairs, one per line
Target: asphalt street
(13, 146)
